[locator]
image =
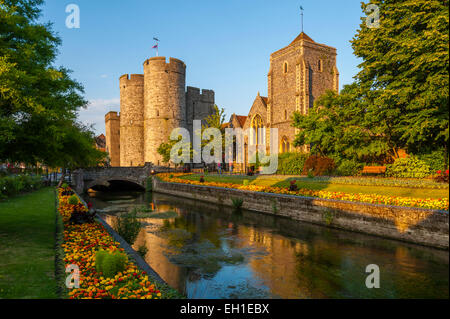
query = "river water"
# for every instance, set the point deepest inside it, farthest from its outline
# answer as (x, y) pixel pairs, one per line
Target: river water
(209, 251)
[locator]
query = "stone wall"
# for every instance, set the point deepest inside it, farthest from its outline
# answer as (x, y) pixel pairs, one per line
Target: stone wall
(132, 120)
(420, 226)
(295, 81)
(112, 132)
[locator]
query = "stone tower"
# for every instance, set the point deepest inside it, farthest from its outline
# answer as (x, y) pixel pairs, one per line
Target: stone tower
(199, 105)
(132, 120)
(299, 74)
(112, 130)
(164, 103)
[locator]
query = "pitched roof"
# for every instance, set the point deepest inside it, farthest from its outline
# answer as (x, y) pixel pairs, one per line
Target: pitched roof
(265, 99)
(241, 119)
(302, 36)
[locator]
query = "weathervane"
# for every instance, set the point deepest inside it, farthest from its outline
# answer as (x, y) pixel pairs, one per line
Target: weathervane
(301, 14)
(156, 45)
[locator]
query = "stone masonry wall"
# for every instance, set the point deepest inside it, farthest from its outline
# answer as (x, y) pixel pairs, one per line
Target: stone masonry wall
(164, 103)
(296, 88)
(132, 120)
(112, 130)
(420, 226)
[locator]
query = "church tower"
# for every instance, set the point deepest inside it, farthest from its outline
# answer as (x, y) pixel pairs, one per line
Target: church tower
(299, 74)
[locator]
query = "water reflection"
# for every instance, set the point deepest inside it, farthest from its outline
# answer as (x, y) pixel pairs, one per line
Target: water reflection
(209, 251)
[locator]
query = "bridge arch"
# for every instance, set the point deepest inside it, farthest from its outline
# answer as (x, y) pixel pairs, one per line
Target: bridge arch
(114, 182)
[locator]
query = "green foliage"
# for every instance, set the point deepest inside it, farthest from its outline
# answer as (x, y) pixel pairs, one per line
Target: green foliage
(110, 263)
(291, 163)
(64, 185)
(319, 166)
(349, 168)
(38, 101)
(149, 184)
(436, 160)
(404, 72)
(237, 202)
(409, 167)
(73, 200)
(245, 182)
(12, 185)
(142, 250)
(400, 97)
(128, 226)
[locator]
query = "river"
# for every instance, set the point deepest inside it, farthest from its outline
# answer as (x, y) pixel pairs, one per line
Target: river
(209, 251)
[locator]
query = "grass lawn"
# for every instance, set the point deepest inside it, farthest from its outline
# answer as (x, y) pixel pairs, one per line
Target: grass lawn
(281, 181)
(27, 240)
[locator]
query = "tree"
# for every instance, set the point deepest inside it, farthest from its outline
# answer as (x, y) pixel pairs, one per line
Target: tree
(214, 120)
(38, 101)
(404, 73)
(399, 99)
(337, 126)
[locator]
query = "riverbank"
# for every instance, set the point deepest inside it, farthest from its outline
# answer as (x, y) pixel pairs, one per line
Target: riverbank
(27, 246)
(417, 225)
(82, 242)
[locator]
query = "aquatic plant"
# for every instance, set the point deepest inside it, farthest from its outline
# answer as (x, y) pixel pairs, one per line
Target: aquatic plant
(237, 202)
(128, 226)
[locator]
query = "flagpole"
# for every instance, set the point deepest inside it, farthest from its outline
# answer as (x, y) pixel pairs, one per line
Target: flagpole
(301, 13)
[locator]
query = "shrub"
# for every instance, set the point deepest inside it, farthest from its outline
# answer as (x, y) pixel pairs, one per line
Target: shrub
(142, 250)
(11, 185)
(64, 185)
(73, 200)
(408, 167)
(245, 182)
(349, 168)
(435, 160)
(128, 226)
(319, 166)
(237, 202)
(291, 163)
(110, 263)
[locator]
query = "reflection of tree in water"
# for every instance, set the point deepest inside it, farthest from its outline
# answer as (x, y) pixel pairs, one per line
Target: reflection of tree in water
(199, 243)
(318, 271)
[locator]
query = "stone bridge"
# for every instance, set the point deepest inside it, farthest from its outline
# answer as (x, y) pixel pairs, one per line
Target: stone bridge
(86, 178)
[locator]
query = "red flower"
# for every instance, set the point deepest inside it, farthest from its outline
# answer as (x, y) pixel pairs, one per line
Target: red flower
(446, 172)
(439, 172)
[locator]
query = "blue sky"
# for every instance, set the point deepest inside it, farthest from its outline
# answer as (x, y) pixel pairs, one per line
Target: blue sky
(225, 44)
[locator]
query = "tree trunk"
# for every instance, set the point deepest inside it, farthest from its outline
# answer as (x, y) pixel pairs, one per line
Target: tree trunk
(61, 180)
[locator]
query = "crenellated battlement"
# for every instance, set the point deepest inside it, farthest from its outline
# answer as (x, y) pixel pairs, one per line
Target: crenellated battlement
(160, 62)
(131, 79)
(204, 95)
(112, 116)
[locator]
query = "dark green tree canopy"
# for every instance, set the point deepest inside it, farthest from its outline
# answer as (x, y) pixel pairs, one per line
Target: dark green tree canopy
(38, 101)
(399, 99)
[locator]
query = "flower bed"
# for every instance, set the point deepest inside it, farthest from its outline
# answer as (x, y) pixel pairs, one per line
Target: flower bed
(442, 203)
(81, 242)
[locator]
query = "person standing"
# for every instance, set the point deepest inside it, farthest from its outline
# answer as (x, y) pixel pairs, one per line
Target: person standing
(219, 168)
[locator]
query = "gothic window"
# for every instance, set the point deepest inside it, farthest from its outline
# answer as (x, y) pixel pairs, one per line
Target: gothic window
(258, 131)
(285, 146)
(157, 112)
(285, 68)
(320, 65)
(285, 115)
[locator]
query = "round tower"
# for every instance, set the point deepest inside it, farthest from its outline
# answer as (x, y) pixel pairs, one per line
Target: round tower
(132, 120)
(164, 103)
